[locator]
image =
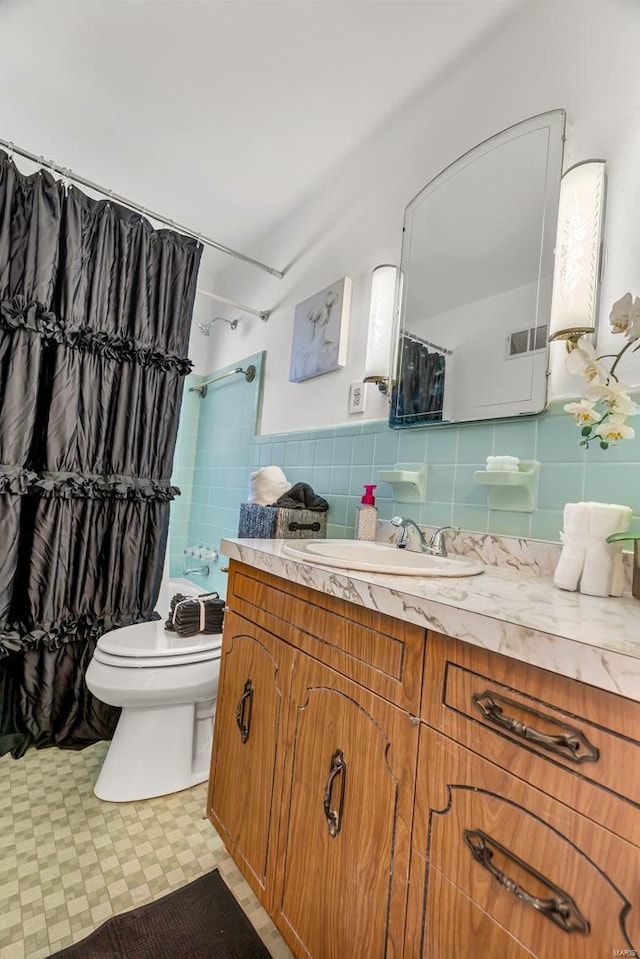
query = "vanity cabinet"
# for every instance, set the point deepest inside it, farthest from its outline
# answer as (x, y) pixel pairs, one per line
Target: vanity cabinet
(526, 827)
(391, 792)
(578, 743)
(315, 803)
(503, 869)
(246, 763)
(347, 809)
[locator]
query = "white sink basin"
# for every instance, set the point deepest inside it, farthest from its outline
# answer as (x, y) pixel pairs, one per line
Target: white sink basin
(378, 558)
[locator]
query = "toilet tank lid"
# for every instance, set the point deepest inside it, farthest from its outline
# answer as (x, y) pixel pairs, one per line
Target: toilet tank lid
(152, 639)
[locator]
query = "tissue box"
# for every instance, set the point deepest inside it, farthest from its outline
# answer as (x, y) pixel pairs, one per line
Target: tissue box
(274, 522)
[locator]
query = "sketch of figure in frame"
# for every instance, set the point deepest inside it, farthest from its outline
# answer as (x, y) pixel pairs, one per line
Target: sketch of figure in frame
(320, 332)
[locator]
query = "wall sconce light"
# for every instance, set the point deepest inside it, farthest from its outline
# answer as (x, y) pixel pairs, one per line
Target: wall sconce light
(578, 250)
(384, 281)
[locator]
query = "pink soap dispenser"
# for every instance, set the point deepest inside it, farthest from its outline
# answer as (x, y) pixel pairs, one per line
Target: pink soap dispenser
(367, 518)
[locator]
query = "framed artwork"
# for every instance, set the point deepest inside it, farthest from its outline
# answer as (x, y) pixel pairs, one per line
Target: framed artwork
(320, 328)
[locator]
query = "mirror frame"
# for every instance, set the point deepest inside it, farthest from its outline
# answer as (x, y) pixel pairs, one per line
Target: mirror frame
(555, 122)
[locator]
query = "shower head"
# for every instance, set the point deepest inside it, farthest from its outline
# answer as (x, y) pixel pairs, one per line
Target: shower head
(205, 328)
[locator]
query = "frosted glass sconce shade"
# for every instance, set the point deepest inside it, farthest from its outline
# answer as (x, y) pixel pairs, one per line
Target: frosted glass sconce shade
(384, 281)
(578, 251)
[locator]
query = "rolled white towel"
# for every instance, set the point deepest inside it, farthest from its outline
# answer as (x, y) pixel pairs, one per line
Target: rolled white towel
(601, 572)
(506, 464)
(266, 485)
(574, 538)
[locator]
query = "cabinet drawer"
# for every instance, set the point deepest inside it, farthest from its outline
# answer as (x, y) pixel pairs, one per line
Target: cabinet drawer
(557, 883)
(379, 652)
(565, 737)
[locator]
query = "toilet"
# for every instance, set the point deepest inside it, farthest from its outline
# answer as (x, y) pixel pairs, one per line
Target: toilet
(167, 688)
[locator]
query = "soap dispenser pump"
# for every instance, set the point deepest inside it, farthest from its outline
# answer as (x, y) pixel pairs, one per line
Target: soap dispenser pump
(367, 518)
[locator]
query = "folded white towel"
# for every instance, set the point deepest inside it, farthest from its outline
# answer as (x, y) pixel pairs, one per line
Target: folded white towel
(601, 575)
(266, 485)
(574, 538)
(507, 464)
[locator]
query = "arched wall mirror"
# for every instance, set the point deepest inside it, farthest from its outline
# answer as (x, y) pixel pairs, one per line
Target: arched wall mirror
(477, 271)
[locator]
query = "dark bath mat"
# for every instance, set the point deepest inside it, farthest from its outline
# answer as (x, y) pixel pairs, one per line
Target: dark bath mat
(198, 921)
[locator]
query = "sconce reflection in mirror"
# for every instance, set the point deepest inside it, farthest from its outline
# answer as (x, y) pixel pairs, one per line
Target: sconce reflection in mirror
(578, 250)
(384, 282)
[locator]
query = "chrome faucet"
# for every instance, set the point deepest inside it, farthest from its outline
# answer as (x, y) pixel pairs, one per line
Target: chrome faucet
(405, 524)
(434, 547)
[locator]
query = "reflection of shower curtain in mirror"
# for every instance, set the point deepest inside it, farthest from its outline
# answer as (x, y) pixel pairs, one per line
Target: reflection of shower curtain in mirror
(420, 390)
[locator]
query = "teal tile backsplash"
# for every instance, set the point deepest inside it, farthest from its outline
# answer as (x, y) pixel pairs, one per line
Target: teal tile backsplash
(217, 449)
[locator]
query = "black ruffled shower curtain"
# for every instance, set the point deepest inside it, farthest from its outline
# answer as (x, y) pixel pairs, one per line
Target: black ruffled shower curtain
(418, 396)
(95, 312)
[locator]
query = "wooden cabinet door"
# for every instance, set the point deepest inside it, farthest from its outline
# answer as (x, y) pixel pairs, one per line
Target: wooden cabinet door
(244, 787)
(347, 805)
(507, 870)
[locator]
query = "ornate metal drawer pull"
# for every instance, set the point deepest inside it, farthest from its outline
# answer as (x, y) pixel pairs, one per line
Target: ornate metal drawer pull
(243, 711)
(338, 768)
(559, 908)
(570, 743)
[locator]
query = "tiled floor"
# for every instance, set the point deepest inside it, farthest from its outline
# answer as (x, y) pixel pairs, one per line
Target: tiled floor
(69, 861)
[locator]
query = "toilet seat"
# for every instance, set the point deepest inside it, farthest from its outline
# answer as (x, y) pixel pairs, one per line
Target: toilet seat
(146, 645)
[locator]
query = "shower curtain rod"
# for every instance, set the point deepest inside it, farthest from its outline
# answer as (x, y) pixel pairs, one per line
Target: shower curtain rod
(434, 346)
(263, 314)
(67, 174)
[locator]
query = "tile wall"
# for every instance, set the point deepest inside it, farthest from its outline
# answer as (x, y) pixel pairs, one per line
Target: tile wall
(218, 448)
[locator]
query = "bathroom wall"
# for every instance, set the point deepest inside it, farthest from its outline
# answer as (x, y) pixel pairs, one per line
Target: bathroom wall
(580, 56)
(213, 471)
(215, 452)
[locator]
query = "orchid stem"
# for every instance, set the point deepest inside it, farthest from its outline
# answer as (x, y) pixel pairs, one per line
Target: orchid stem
(620, 355)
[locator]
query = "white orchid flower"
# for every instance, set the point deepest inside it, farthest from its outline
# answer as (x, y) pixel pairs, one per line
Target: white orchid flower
(606, 402)
(583, 362)
(584, 412)
(614, 429)
(615, 396)
(625, 316)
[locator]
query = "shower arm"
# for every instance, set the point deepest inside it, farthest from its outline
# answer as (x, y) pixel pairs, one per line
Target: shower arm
(205, 328)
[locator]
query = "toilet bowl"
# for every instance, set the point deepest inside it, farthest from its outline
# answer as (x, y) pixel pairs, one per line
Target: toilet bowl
(167, 688)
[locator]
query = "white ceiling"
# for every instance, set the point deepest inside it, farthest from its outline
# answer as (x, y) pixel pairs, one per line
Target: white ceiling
(221, 115)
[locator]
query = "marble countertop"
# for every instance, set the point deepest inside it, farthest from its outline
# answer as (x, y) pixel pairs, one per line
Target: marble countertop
(518, 613)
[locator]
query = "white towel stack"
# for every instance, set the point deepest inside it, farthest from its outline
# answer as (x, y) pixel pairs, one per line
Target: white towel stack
(587, 561)
(574, 539)
(603, 574)
(503, 464)
(266, 485)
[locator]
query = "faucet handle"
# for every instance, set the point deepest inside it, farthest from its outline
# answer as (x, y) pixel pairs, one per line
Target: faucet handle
(436, 543)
